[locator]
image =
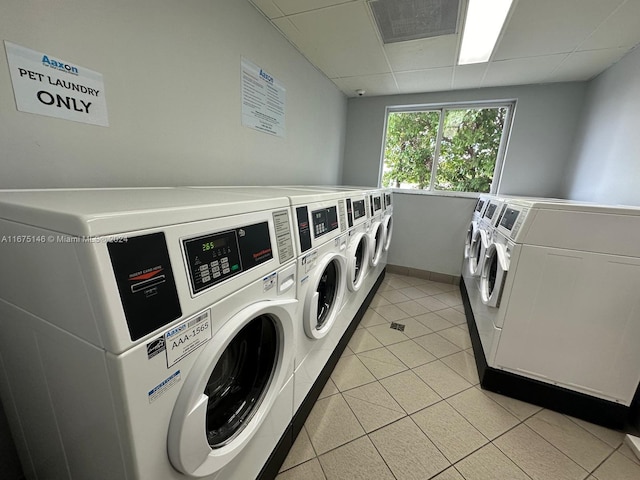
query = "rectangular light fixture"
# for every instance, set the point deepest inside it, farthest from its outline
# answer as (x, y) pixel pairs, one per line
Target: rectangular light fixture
(482, 27)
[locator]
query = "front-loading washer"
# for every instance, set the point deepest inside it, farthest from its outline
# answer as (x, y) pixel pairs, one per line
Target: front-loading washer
(320, 237)
(148, 333)
(376, 232)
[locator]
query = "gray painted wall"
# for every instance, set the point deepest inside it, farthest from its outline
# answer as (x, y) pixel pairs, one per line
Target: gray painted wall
(172, 79)
(605, 165)
(430, 229)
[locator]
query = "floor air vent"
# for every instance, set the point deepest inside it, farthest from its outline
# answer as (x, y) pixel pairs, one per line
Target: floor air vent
(402, 20)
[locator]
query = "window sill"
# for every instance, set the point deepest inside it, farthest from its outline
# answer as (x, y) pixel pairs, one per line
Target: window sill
(437, 193)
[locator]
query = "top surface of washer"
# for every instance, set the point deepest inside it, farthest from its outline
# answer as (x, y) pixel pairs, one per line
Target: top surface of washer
(105, 211)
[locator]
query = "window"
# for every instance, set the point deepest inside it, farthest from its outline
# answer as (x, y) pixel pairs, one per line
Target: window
(446, 147)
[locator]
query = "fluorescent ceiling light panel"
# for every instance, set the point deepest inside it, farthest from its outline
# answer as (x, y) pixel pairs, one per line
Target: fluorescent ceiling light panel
(482, 27)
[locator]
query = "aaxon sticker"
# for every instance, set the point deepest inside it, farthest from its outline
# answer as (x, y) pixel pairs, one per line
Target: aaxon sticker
(46, 85)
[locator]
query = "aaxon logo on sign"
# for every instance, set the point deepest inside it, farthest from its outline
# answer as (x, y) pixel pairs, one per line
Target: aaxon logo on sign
(45, 85)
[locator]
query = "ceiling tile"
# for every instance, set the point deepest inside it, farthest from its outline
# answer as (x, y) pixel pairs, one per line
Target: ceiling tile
(543, 27)
(521, 71)
(432, 80)
(468, 76)
(372, 84)
(581, 66)
(619, 30)
(341, 41)
(291, 7)
(268, 8)
(425, 53)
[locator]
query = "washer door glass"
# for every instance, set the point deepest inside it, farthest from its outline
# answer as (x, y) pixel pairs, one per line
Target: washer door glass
(240, 380)
(359, 261)
(327, 288)
(492, 272)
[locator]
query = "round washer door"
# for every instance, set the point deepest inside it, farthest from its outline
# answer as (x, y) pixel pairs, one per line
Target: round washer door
(324, 296)
(231, 387)
(358, 261)
(468, 242)
(477, 252)
(494, 274)
(377, 235)
(388, 228)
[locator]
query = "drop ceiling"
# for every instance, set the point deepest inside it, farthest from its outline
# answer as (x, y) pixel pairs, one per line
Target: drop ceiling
(543, 41)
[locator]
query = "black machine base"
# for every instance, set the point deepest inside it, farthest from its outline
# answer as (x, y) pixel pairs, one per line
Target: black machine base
(576, 404)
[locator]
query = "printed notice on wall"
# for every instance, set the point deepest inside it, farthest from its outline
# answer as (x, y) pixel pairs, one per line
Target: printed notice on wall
(263, 100)
(47, 85)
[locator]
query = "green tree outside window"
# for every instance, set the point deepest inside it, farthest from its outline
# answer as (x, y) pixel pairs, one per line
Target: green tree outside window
(466, 155)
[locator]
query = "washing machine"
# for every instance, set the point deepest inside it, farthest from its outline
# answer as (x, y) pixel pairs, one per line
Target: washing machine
(387, 219)
(478, 212)
(320, 238)
(358, 255)
(147, 333)
(561, 289)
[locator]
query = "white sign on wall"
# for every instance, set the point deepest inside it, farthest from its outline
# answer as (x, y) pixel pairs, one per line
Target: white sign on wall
(46, 85)
(263, 100)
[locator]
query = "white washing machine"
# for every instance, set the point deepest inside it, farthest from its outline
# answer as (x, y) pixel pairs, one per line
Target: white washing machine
(321, 237)
(387, 219)
(358, 255)
(321, 242)
(147, 333)
(566, 313)
(376, 232)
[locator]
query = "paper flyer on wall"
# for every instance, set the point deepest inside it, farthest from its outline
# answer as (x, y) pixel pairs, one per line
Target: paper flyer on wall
(263, 100)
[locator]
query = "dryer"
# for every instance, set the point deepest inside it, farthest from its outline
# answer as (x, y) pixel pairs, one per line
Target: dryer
(563, 307)
(147, 333)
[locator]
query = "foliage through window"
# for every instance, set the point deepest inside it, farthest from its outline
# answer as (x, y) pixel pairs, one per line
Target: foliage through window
(446, 148)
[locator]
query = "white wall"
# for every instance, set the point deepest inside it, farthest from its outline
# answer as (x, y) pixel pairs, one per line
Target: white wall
(172, 79)
(430, 230)
(605, 166)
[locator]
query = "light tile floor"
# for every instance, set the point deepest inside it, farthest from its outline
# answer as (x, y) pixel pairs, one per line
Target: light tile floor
(407, 405)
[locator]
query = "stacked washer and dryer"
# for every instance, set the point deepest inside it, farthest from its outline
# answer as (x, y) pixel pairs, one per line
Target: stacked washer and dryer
(171, 332)
(558, 313)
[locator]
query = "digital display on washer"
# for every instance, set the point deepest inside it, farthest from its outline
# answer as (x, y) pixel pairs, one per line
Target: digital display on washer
(359, 209)
(387, 200)
(491, 209)
(215, 257)
(479, 205)
(324, 220)
(377, 203)
(509, 218)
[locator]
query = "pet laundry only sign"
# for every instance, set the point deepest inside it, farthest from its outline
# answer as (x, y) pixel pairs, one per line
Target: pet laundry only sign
(46, 85)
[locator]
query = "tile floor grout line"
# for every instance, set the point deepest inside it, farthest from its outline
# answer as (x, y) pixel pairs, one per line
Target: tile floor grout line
(600, 464)
(547, 441)
(593, 434)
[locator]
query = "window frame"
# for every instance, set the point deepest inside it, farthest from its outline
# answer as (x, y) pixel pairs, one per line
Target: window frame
(510, 104)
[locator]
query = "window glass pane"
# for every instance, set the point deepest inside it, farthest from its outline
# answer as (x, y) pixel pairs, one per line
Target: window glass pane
(469, 149)
(409, 149)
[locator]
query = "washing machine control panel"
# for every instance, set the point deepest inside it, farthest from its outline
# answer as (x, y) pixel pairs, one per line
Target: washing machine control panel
(325, 220)
(215, 257)
(359, 210)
